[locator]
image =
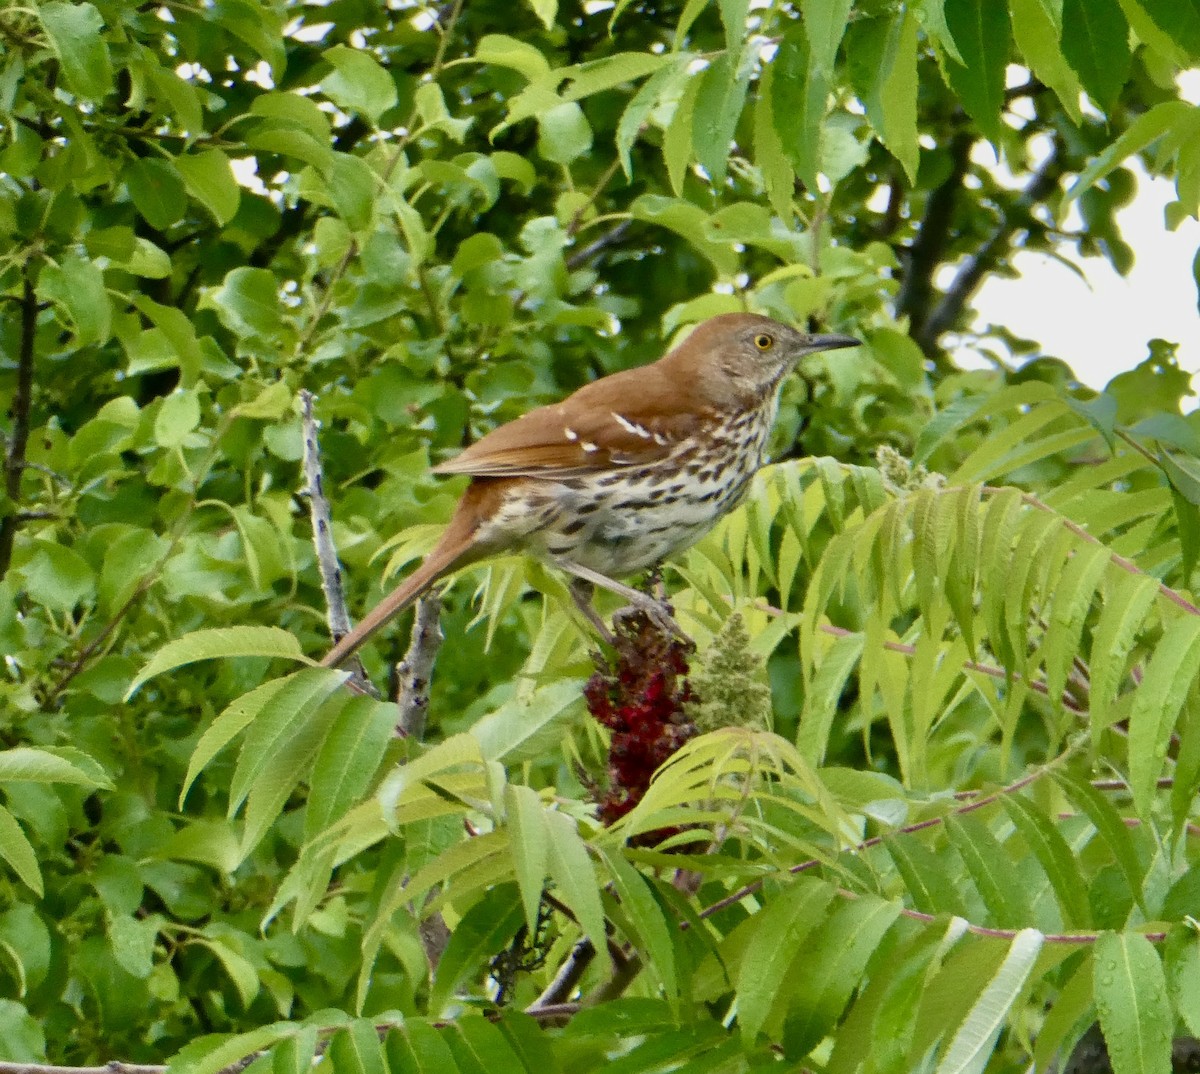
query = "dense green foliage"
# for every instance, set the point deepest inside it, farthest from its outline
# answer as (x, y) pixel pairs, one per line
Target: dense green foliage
(971, 830)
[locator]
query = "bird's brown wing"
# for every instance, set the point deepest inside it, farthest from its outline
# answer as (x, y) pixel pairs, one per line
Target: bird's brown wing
(612, 423)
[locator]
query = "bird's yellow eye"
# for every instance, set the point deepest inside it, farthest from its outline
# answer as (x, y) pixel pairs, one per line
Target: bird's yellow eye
(764, 342)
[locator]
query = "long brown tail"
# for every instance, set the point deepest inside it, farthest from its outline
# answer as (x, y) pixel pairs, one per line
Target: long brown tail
(457, 548)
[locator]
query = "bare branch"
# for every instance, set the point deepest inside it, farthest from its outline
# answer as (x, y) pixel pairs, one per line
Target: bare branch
(327, 561)
(569, 974)
(415, 670)
(1013, 220)
(929, 247)
(108, 1068)
(22, 405)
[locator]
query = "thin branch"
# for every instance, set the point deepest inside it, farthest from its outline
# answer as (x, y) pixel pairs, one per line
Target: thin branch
(601, 183)
(1014, 219)
(22, 405)
(1127, 565)
(928, 249)
(593, 249)
(150, 577)
(108, 1068)
(555, 1012)
(919, 826)
(991, 670)
(415, 670)
(322, 530)
(1009, 934)
(568, 976)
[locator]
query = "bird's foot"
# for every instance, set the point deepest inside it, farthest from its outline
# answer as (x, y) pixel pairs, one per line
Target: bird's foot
(659, 612)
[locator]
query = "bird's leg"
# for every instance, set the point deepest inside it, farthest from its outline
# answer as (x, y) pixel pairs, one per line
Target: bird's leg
(654, 583)
(658, 613)
(581, 591)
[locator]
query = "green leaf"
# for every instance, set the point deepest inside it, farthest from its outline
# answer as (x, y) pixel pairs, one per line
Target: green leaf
(975, 1038)
(1095, 41)
(800, 90)
(825, 25)
(257, 24)
(821, 697)
(501, 50)
(780, 928)
(213, 1053)
(484, 931)
(677, 141)
(76, 33)
(1131, 999)
(58, 577)
(1109, 824)
(157, 190)
(1169, 675)
(664, 84)
(572, 870)
(1181, 957)
(18, 853)
(1142, 132)
(356, 1049)
(284, 719)
(652, 932)
(892, 103)
(830, 969)
(1073, 598)
(530, 846)
(77, 285)
(358, 83)
(177, 417)
(1038, 40)
(480, 1047)
(217, 644)
(248, 303)
(719, 102)
(773, 163)
(1178, 20)
(209, 178)
(688, 221)
(418, 1048)
(980, 30)
(132, 940)
(927, 879)
(564, 133)
(545, 10)
(41, 766)
(347, 762)
(1055, 857)
(525, 727)
(1128, 599)
(595, 76)
(990, 868)
(296, 1054)
(352, 187)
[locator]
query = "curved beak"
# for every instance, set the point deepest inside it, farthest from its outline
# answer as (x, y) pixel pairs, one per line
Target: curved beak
(829, 343)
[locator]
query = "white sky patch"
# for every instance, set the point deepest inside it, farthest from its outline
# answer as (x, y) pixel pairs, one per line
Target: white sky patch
(245, 171)
(1100, 325)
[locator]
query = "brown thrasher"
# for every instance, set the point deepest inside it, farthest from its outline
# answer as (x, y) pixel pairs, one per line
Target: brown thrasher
(619, 475)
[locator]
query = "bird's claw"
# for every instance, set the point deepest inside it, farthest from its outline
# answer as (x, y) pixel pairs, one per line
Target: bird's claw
(657, 611)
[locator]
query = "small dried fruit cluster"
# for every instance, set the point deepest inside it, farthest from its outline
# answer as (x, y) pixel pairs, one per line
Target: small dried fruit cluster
(640, 694)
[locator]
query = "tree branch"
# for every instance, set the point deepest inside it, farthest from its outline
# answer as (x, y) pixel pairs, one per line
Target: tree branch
(1012, 220)
(415, 670)
(933, 236)
(327, 562)
(22, 405)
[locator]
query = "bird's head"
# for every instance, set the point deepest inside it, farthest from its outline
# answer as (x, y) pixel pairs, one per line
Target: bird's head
(745, 355)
